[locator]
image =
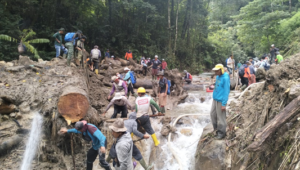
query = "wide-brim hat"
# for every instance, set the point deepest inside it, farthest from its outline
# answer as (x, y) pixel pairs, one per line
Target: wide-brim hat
(118, 96)
(126, 69)
(118, 126)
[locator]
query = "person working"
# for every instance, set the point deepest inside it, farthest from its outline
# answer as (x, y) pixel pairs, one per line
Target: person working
(120, 105)
(131, 126)
(164, 65)
(118, 86)
(128, 55)
(155, 64)
(80, 49)
(279, 57)
(129, 83)
(143, 103)
(95, 58)
(91, 133)
(162, 91)
(58, 43)
(70, 39)
(188, 77)
(144, 65)
(123, 146)
(230, 64)
(244, 80)
(251, 78)
(107, 54)
(273, 51)
(220, 98)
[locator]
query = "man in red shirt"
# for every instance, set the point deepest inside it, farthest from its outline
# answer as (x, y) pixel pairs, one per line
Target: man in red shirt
(163, 65)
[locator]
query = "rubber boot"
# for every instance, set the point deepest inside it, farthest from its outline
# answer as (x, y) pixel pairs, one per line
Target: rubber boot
(156, 142)
(144, 164)
(162, 110)
(96, 71)
(131, 135)
(64, 56)
(68, 62)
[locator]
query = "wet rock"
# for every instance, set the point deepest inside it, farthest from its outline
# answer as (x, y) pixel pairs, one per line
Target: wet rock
(185, 121)
(186, 131)
(9, 143)
(294, 91)
(166, 129)
(166, 120)
(12, 115)
(18, 116)
(24, 108)
(22, 131)
(5, 117)
(202, 99)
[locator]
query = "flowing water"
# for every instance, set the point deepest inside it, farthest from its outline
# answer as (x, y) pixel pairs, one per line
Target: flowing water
(184, 146)
(33, 141)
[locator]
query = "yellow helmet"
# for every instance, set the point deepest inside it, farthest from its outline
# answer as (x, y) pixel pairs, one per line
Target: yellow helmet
(141, 90)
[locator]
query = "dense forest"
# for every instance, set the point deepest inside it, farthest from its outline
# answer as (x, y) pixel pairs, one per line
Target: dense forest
(193, 34)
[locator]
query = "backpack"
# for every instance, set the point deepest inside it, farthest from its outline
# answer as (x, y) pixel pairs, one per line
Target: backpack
(132, 77)
(69, 36)
(190, 76)
(169, 87)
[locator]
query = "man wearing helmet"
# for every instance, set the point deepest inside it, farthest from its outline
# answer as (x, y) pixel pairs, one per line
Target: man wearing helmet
(143, 103)
(220, 98)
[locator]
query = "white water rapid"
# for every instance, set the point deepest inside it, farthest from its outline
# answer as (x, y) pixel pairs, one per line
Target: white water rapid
(184, 146)
(33, 141)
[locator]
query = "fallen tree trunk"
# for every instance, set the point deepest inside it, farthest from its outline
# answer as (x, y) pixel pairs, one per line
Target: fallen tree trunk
(73, 104)
(9, 144)
(147, 84)
(286, 114)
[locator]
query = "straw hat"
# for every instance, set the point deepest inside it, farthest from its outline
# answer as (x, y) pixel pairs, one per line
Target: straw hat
(118, 126)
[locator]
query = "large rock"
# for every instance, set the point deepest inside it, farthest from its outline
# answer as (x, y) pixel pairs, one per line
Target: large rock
(294, 91)
(211, 155)
(186, 131)
(24, 60)
(24, 108)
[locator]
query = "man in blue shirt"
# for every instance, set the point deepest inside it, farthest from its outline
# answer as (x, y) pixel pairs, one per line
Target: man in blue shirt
(129, 83)
(107, 53)
(220, 98)
(91, 133)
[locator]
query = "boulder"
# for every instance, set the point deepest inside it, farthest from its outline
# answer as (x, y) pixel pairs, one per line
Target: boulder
(24, 108)
(18, 116)
(24, 60)
(12, 115)
(186, 131)
(294, 91)
(9, 64)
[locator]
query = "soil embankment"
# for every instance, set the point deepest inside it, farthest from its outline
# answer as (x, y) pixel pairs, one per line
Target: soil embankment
(263, 125)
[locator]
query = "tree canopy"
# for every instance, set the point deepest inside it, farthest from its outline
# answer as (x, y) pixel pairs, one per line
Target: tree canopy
(188, 34)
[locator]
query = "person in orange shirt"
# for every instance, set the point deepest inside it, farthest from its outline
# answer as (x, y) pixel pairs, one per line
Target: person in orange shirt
(128, 55)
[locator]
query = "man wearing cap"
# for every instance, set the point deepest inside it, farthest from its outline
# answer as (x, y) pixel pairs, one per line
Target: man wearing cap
(162, 91)
(107, 55)
(131, 127)
(220, 98)
(164, 65)
(118, 86)
(91, 133)
(95, 58)
(128, 55)
(155, 64)
(58, 43)
(123, 146)
(142, 104)
(70, 42)
(129, 83)
(80, 48)
(188, 77)
(120, 105)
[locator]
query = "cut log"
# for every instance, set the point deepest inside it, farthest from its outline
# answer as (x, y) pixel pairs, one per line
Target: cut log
(112, 62)
(73, 104)
(146, 83)
(286, 114)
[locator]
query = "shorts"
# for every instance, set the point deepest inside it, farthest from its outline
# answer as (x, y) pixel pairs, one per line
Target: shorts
(154, 72)
(162, 99)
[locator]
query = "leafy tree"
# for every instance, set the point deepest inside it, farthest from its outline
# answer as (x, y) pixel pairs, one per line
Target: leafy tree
(26, 41)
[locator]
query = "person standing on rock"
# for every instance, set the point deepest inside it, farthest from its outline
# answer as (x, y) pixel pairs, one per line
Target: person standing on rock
(131, 126)
(264, 63)
(129, 83)
(91, 133)
(95, 58)
(155, 64)
(123, 146)
(251, 78)
(230, 64)
(162, 91)
(220, 98)
(164, 65)
(107, 54)
(118, 86)
(80, 49)
(144, 65)
(143, 103)
(128, 55)
(188, 77)
(120, 105)
(70, 39)
(273, 51)
(279, 57)
(58, 43)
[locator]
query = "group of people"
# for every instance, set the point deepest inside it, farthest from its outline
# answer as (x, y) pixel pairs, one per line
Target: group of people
(155, 64)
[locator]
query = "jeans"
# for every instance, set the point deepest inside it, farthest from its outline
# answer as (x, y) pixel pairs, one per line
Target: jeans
(229, 70)
(58, 48)
(92, 155)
